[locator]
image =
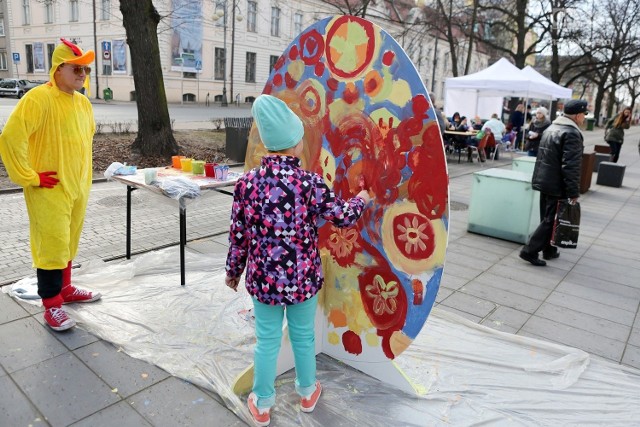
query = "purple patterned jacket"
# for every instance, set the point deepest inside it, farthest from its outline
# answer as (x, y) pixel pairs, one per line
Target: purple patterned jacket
(274, 230)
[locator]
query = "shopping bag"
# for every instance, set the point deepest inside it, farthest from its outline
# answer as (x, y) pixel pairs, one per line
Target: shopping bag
(566, 226)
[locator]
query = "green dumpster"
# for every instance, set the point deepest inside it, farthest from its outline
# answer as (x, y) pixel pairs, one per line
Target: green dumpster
(107, 94)
(590, 123)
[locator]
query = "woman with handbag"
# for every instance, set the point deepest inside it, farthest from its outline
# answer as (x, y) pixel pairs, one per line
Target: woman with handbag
(614, 132)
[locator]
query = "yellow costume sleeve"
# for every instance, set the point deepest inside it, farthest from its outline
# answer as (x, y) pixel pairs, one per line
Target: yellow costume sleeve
(25, 121)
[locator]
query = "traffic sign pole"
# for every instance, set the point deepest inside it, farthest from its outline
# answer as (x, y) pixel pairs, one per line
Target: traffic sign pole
(16, 61)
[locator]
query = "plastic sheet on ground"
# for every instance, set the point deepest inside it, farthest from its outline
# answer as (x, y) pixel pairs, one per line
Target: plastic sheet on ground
(472, 375)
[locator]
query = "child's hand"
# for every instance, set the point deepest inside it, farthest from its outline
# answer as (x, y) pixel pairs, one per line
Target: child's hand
(362, 183)
(232, 282)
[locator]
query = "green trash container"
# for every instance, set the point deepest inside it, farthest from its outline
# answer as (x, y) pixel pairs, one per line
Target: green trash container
(107, 94)
(590, 123)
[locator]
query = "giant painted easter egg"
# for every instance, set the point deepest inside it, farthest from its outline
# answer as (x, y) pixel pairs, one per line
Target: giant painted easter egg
(366, 111)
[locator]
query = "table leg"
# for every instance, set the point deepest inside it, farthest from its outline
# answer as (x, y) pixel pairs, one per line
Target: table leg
(183, 238)
(128, 247)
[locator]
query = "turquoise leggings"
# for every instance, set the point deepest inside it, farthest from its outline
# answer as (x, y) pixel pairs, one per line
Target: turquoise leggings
(301, 320)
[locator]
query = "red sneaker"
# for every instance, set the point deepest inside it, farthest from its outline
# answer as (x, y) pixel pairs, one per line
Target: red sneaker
(72, 294)
(261, 417)
(57, 319)
(308, 404)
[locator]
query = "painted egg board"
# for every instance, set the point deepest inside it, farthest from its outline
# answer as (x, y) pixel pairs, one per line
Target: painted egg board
(366, 111)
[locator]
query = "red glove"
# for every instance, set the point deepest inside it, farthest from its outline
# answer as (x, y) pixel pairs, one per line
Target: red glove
(46, 180)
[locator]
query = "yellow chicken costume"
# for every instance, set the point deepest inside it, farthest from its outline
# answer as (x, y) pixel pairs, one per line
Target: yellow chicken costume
(46, 147)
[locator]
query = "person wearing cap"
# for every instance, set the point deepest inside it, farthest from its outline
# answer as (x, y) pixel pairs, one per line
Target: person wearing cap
(556, 176)
(274, 235)
(538, 125)
(46, 147)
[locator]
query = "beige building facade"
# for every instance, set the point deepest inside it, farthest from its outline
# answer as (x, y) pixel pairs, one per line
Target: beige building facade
(192, 43)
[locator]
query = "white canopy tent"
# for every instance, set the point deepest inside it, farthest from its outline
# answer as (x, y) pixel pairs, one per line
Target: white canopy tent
(481, 94)
(556, 91)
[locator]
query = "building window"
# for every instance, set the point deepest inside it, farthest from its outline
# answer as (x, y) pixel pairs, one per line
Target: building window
(3, 61)
(219, 65)
(26, 12)
(297, 23)
(73, 12)
(1, 26)
(48, 11)
(252, 12)
(250, 73)
(105, 13)
(29, 55)
(50, 48)
(275, 21)
(272, 62)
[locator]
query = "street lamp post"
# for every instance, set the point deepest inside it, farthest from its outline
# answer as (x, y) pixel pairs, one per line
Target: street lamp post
(223, 14)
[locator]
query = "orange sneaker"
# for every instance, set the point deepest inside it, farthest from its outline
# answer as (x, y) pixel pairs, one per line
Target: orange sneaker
(261, 417)
(308, 404)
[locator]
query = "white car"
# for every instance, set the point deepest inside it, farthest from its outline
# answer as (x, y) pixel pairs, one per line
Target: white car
(14, 87)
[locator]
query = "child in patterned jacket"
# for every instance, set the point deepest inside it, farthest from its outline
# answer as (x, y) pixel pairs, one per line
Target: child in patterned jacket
(274, 234)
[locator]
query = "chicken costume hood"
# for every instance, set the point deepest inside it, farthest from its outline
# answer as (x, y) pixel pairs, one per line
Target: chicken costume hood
(69, 53)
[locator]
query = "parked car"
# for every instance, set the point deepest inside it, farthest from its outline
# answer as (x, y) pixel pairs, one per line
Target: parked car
(14, 87)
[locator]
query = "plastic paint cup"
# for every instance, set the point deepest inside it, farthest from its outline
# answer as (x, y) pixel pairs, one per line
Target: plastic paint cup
(197, 166)
(150, 175)
(186, 164)
(209, 171)
(225, 172)
(175, 161)
(218, 171)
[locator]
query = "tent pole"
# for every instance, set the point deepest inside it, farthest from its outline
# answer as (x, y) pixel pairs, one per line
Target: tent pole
(526, 101)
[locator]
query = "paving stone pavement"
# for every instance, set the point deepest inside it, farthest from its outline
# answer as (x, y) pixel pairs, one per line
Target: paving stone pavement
(588, 298)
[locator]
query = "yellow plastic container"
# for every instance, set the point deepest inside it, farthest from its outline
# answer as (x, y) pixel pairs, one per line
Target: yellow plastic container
(186, 164)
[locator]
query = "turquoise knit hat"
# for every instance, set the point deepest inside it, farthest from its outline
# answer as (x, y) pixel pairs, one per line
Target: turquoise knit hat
(279, 127)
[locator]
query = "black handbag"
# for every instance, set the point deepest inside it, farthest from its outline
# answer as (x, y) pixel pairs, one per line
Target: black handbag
(566, 226)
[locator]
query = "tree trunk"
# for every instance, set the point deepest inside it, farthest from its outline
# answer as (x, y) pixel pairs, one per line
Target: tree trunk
(155, 137)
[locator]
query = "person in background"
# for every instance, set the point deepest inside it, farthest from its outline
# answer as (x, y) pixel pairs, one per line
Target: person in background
(477, 123)
(614, 132)
(556, 176)
(497, 129)
(274, 234)
(517, 121)
(454, 121)
(538, 125)
(46, 147)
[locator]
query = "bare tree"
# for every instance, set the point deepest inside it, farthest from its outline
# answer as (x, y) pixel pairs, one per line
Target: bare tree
(350, 7)
(615, 45)
(155, 136)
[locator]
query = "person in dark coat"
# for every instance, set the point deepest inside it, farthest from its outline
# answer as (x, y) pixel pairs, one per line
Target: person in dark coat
(517, 119)
(556, 176)
(537, 127)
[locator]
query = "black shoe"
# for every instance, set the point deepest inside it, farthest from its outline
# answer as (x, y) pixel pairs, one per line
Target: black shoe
(532, 259)
(550, 255)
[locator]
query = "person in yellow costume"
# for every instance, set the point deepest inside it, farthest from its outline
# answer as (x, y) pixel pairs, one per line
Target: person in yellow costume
(46, 147)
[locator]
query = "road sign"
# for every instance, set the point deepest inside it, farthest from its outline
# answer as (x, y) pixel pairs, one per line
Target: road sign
(16, 57)
(198, 65)
(106, 50)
